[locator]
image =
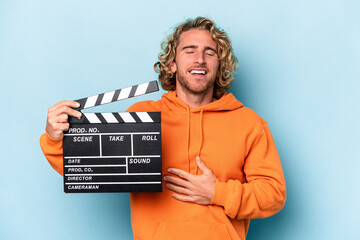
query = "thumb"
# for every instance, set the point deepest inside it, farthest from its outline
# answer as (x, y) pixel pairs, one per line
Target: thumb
(201, 165)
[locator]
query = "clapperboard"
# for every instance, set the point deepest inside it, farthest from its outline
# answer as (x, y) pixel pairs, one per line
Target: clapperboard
(113, 152)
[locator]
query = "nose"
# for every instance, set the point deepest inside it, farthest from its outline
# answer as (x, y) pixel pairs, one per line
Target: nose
(200, 57)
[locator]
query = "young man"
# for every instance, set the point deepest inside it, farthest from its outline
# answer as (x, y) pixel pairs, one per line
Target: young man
(222, 167)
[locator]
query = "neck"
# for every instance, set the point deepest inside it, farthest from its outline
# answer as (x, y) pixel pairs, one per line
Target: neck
(195, 100)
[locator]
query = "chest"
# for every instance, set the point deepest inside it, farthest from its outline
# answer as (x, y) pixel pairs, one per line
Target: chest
(218, 138)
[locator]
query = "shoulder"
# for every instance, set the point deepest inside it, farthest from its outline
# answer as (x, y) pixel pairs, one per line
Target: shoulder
(251, 115)
(250, 119)
(145, 106)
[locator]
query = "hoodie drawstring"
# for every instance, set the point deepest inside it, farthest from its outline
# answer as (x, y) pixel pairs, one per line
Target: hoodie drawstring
(201, 136)
(188, 138)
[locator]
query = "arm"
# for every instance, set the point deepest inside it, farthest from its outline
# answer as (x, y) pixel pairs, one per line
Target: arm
(57, 123)
(53, 151)
(264, 193)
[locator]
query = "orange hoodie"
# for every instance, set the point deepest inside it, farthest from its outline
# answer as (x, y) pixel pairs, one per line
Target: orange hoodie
(234, 142)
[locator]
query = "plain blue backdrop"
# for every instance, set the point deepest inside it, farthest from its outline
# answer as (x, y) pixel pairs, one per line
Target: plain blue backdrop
(299, 67)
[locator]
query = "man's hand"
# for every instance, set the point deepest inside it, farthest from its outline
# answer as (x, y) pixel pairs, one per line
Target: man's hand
(57, 118)
(198, 189)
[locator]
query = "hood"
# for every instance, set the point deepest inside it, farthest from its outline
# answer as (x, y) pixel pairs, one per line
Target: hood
(226, 103)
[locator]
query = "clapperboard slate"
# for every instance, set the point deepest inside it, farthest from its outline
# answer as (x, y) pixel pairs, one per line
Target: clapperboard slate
(113, 152)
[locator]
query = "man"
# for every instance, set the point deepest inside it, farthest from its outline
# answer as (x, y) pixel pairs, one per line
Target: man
(221, 164)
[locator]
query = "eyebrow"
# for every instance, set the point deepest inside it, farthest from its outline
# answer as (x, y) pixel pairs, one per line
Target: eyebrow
(194, 46)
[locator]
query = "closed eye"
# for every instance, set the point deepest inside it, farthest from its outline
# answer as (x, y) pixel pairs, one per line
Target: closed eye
(189, 49)
(210, 52)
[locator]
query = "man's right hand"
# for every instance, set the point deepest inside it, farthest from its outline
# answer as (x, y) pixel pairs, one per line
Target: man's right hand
(57, 118)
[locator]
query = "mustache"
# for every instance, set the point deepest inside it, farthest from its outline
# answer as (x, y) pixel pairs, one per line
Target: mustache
(202, 66)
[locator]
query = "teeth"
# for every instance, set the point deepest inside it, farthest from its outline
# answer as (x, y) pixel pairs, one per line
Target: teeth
(197, 72)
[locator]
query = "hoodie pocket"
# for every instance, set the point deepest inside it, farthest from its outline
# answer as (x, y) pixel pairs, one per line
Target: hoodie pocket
(191, 230)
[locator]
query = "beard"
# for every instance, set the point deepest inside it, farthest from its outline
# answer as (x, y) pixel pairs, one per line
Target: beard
(197, 89)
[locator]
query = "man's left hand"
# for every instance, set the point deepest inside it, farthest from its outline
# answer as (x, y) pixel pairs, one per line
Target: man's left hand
(192, 188)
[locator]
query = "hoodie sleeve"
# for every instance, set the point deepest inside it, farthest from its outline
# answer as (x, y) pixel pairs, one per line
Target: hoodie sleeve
(53, 151)
(264, 192)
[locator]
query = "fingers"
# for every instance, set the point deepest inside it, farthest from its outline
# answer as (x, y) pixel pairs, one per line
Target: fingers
(63, 118)
(64, 109)
(182, 198)
(177, 181)
(180, 173)
(57, 119)
(204, 169)
(178, 189)
(179, 185)
(68, 103)
(190, 199)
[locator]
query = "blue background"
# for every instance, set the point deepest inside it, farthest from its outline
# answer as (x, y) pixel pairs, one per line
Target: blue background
(299, 70)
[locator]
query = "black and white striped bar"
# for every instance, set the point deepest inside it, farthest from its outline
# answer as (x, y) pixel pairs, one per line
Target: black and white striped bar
(118, 95)
(121, 117)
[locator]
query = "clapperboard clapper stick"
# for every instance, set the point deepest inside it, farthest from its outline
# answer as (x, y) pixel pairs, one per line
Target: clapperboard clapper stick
(113, 152)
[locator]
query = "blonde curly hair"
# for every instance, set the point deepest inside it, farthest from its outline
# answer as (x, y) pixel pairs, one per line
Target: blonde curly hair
(227, 61)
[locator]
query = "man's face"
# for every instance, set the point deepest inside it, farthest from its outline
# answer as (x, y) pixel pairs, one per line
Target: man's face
(196, 62)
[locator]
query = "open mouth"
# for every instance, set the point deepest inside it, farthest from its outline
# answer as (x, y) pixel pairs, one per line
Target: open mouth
(198, 72)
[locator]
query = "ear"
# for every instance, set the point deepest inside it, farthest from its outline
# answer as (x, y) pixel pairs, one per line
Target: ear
(173, 67)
